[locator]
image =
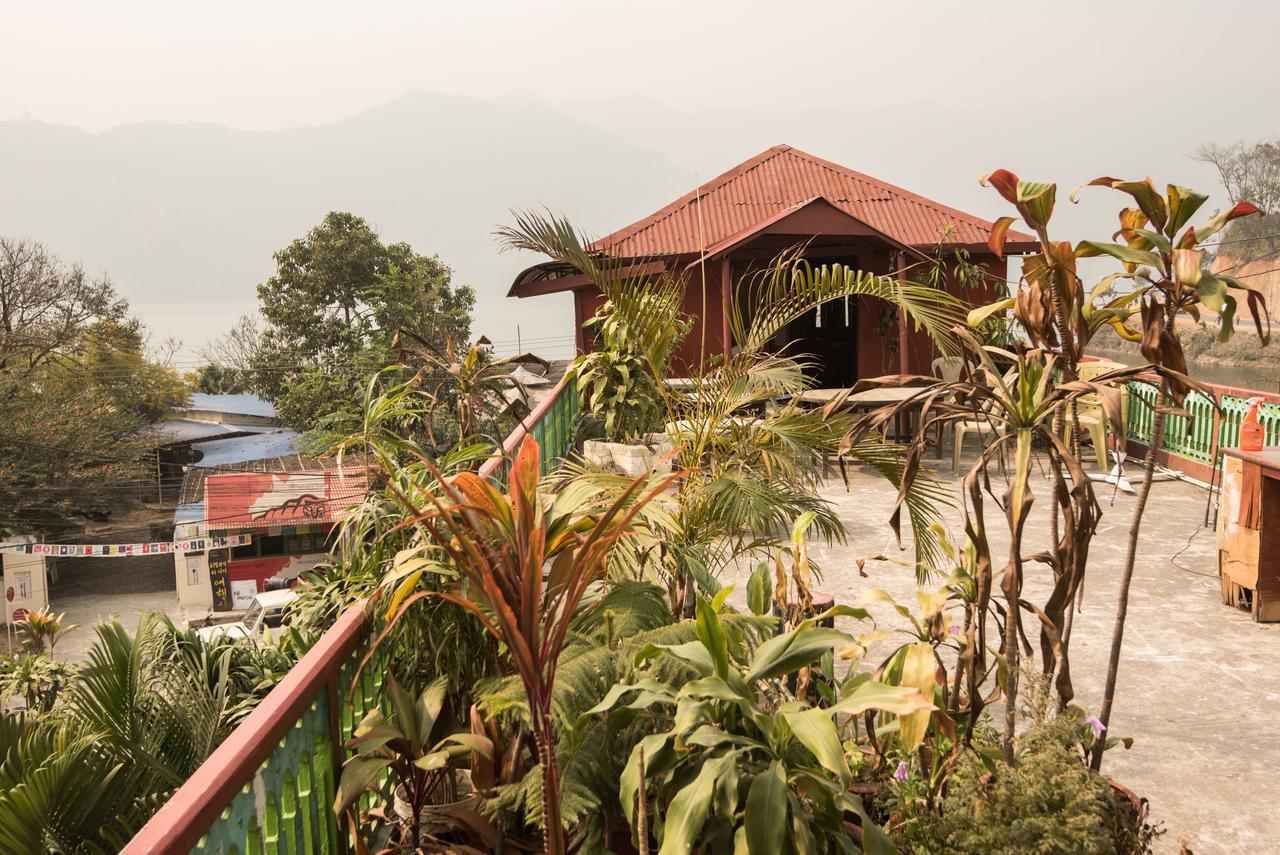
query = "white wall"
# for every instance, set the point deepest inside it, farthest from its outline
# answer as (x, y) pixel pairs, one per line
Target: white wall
(24, 574)
(191, 570)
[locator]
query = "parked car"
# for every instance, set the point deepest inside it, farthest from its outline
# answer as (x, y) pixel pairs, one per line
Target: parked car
(266, 611)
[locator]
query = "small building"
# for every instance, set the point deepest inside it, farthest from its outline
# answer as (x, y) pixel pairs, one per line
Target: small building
(730, 227)
(202, 426)
(285, 507)
(26, 579)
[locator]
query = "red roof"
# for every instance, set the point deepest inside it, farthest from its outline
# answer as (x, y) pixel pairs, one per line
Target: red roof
(242, 500)
(780, 179)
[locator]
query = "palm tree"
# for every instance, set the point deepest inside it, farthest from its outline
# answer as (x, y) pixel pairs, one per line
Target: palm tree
(747, 479)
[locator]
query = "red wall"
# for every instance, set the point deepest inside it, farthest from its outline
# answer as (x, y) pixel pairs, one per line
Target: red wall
(874, 358)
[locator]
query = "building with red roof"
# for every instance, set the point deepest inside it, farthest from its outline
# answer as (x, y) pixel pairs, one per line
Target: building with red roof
(783, 198)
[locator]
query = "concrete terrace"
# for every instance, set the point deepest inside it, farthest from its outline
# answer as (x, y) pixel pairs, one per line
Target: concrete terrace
(1199, 685)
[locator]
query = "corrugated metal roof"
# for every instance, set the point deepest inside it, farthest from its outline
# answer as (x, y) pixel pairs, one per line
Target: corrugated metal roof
(240, 405)
(174, 431)
(782, 178)
(238, 500)
(257, 446)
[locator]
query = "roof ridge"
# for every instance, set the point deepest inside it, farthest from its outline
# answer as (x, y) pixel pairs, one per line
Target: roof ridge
(704, 189)
(893, 188)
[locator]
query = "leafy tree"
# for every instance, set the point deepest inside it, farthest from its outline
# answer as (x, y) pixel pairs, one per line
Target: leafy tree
(76, 385)
(1249, 172)
(332, 309)
(230, 360)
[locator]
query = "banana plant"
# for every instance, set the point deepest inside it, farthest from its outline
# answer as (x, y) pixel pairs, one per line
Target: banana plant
(745, 765)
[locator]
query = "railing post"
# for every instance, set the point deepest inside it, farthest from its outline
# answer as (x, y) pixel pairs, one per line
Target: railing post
(332, 700)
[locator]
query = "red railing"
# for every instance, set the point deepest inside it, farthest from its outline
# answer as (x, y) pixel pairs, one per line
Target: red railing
(270, 785)
(185, 818)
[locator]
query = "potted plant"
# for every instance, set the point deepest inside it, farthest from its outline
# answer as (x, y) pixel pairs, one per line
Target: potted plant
(405, 751)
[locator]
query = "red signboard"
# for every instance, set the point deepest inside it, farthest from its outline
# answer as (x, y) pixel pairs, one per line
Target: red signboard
(19, 614)
(249, 500)
(8, 593)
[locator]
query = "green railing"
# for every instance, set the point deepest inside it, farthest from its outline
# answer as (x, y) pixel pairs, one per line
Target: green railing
(269, 788)
(1209, 428)
(553, 423)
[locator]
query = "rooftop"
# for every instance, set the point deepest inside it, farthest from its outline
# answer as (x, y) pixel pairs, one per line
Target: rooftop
(1198, 684)
(780, 179)
(239, 405)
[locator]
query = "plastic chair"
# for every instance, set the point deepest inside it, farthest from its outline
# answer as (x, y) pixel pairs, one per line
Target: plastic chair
(1090, 415)
(948, 368)
(978, 427)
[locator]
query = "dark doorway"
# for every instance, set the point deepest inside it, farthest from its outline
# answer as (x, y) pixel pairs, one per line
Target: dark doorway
(827, 337)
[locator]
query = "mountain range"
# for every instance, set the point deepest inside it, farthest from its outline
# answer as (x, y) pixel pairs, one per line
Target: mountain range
(185, 217)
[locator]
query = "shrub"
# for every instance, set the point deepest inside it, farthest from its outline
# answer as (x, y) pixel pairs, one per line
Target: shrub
(1050, 802)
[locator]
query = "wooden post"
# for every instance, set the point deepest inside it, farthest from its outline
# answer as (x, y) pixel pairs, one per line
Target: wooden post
(904, 360)
(725, 288)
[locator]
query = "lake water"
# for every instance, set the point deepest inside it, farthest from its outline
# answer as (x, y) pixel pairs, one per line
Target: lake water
(1265, 379)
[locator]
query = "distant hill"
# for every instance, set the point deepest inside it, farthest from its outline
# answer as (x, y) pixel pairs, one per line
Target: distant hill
(184, 217)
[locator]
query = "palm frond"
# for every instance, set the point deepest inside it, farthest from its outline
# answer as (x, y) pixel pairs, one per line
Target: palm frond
(791, 287)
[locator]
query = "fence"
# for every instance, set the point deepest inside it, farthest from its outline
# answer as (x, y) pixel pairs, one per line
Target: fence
(269, 788)
(1197, 439)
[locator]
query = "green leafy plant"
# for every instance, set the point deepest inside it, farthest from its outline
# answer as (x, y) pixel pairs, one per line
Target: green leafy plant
(497, 546)
(618, 385)
(407, 749)
(744, 764)
(629, 616)
(35, 678)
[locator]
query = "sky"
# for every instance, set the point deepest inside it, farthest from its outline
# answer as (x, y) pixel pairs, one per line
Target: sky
(928, 94)
(271, 64)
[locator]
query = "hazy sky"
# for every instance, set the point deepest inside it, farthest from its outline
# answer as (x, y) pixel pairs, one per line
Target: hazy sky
(268, 64)
(928, 95)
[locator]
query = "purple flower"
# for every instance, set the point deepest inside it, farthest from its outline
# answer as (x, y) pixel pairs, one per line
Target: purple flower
(1096, 725)
(900, 774)
(955, 629)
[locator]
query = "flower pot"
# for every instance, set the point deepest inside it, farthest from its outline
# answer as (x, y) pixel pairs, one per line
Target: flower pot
(435, 819)
(630, 459)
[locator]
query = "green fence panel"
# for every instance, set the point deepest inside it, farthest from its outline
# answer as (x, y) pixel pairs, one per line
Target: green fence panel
(1193, 436)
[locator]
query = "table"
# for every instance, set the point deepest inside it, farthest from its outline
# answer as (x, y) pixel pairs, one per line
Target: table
(869, 399)
(1249, 531)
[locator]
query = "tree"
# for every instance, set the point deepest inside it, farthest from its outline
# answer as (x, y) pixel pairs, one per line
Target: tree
(1249, 172)
(230, 359)
(76, 385)
(332, 309)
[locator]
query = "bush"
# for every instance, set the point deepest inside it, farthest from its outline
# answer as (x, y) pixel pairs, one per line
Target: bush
(1048, 803)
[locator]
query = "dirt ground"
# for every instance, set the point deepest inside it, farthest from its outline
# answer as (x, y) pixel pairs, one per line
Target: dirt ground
(1199, 682)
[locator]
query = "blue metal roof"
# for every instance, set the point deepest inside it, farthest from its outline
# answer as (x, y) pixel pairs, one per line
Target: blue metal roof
(244, 405)
(238, 449)
(173, 431)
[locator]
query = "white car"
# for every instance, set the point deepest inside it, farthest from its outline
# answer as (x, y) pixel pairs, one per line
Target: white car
(267, 610)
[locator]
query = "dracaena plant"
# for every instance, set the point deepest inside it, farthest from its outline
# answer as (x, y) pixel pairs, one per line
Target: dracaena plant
(497, 545)
(746, 766)
(1161, 254)
(1019, 406)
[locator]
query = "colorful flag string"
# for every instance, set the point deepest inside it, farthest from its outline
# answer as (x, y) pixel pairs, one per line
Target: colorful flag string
(120, 550)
